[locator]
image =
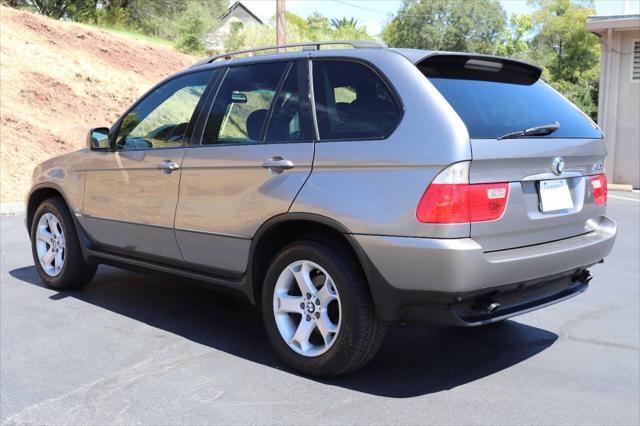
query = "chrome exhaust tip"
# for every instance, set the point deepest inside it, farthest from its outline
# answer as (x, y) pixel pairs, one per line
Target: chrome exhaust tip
(584, 277)
(487, 305)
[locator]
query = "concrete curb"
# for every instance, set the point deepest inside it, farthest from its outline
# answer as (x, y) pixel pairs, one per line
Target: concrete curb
(11, 208)
(620, 187)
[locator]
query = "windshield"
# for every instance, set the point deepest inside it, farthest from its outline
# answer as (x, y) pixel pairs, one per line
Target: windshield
(492, 109)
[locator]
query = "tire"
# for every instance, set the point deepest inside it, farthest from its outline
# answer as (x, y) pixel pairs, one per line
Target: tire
(358, 332)
(57, 234)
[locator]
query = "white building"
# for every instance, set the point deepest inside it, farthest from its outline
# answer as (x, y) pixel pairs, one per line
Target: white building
(619, 95)
(237, 14)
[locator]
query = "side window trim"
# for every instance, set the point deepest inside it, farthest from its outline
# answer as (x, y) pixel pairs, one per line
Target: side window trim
(392, 90)
(212, 86)
(305, 96)
(115, 128)
(304, 86)
(307, 120)
(205, 110)
(274, 101)
(312, 98)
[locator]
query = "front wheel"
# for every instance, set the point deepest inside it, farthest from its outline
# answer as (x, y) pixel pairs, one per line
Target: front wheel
(56, 247)
(318, 311)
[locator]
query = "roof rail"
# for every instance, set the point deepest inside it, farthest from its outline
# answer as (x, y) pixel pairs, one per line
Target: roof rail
(315, 45)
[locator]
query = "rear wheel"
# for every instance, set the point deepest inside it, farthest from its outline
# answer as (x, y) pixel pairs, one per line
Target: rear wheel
(318, 311)
(56, 248)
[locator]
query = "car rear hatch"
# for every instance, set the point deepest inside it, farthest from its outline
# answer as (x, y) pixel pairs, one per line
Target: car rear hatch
(550, 171)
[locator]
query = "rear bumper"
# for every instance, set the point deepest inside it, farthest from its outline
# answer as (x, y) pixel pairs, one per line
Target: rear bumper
(442, 274)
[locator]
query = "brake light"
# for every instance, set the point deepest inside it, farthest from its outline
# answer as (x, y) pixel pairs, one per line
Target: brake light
(451, 199)
(599, 185)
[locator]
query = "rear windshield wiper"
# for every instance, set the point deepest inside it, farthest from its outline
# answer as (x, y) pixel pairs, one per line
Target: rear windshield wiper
(544, 130)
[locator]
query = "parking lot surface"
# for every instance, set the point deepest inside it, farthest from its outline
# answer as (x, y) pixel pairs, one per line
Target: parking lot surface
(138, 349)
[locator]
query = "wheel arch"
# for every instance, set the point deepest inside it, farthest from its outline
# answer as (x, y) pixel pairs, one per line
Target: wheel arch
(38, 195)
(48, 190)
(284, 229)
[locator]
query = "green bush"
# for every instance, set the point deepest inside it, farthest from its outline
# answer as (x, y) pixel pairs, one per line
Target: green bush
(116, 17)
(191, 29)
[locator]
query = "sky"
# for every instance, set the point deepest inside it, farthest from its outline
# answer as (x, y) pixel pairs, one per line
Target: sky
(375, 13)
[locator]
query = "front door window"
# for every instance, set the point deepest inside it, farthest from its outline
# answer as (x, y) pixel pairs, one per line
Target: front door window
(160, 120)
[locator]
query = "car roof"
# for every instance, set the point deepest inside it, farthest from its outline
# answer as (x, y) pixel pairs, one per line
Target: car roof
(415, 56)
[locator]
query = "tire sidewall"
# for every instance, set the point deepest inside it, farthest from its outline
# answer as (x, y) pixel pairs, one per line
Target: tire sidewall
(50, 206)
(332, 361)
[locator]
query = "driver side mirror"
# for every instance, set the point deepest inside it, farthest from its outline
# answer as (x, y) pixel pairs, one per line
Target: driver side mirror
(98, 139)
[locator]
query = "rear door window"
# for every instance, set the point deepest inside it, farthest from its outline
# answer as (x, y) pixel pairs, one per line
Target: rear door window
(492, 109)
(291, 116)
(352, 102)
(241, 107)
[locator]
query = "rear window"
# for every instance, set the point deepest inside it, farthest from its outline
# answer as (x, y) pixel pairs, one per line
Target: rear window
(492, 109)
(352, 102)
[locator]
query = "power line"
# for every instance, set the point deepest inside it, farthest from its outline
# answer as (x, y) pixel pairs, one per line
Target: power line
(369, 9)
(617, 51)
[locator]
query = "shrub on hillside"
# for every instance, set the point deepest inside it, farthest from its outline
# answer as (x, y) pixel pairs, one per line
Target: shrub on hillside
(194, 23)
(191, 30)
(116, 17)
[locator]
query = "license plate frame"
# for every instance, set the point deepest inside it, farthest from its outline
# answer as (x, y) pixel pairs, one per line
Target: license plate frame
(554, 196)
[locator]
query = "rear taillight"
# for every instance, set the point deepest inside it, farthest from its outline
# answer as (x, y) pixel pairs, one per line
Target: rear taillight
(599, 185)
(451, 199)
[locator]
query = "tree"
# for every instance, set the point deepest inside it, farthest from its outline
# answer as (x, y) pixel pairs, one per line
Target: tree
(163, 18)
(347, 29)
(192, 29)
(53, 8)
(236, 38)
(562, 41)
(293, 20)
(318, 25)
(315, 27)
(459, 25)
(14, 3)
(569, 53)
(514, 43)
(344, 23)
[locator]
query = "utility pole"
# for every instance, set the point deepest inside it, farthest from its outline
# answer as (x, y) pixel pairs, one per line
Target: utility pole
(280, 30)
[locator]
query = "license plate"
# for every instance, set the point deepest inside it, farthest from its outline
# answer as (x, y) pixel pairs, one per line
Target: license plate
(555, 195)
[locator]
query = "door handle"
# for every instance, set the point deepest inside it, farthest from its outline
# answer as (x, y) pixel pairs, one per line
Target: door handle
(277, 164)
(168, 166)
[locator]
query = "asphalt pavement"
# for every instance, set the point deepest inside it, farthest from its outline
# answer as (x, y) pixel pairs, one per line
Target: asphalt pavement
(138, 349)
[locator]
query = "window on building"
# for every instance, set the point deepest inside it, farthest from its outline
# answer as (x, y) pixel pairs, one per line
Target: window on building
(635, 71)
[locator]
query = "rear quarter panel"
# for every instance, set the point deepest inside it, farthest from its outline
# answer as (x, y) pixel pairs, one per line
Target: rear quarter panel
(374, 186)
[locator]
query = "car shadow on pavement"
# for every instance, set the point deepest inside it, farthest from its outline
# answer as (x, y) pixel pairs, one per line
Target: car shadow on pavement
(413, 361)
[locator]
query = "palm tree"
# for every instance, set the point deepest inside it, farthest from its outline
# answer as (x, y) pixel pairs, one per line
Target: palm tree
(345, 23)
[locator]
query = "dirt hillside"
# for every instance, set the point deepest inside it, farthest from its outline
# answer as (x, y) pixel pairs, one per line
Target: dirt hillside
(58, 79)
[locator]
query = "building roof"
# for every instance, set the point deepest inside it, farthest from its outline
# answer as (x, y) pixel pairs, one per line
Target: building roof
(234, 7)
(601, 23)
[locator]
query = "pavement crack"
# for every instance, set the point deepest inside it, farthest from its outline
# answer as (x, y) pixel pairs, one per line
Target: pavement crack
(94, 402)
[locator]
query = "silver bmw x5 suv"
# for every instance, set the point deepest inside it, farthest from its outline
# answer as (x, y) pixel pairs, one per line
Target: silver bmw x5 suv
(341, 190)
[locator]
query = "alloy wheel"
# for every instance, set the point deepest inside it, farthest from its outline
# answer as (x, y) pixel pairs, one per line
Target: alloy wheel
(307, 309)
(50, 244)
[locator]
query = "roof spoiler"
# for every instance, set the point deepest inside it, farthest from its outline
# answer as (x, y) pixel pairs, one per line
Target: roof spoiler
(478, 67)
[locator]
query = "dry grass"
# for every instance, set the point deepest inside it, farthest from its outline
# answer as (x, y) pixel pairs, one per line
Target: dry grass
(57, 80)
